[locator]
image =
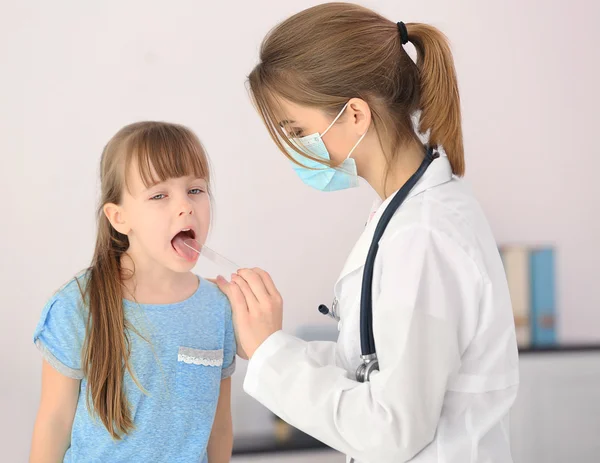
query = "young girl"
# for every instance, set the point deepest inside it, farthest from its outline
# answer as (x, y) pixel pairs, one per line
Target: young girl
(430, 372)
(138, 351)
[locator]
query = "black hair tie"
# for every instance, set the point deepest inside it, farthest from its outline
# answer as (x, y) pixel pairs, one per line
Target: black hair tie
(403, 32)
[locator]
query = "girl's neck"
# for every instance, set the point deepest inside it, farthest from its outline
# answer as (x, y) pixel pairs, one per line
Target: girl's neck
(154, 284)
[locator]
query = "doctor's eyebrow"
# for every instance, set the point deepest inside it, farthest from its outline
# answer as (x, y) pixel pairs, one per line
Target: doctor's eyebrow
(289, 129)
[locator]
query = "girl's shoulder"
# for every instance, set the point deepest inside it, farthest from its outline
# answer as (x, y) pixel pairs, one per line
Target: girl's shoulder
(212, 297)
(75, 286)
(65, 309)
(60, 331)
(208, 289)
(72, 292)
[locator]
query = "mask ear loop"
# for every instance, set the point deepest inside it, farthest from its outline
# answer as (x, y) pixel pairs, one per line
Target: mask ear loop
(352, 150)
(335, 120)
(357, 143)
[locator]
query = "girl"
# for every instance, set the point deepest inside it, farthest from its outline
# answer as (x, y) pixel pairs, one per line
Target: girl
(337, 91)
(138, 351)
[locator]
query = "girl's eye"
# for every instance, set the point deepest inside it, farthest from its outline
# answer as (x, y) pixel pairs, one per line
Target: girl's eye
(157, 197)
(196, 191)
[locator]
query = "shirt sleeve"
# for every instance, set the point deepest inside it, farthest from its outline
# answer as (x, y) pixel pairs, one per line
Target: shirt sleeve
(60, 332)
(229, 347)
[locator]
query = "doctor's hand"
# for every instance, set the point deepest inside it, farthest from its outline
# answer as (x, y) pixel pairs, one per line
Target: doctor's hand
(256, 305)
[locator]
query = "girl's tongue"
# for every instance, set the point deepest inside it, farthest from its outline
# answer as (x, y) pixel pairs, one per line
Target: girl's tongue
(184, 250)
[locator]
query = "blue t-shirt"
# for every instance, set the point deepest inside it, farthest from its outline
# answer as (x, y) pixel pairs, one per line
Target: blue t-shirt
(191, 349)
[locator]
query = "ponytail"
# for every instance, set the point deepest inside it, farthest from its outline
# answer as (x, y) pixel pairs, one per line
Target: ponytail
(439, 97)
(107, 345)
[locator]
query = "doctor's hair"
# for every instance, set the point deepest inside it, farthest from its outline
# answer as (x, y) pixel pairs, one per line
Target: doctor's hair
(160, 151)
(330, 53)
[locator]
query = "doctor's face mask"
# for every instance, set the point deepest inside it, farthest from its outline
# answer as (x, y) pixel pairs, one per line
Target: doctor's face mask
(319, 175)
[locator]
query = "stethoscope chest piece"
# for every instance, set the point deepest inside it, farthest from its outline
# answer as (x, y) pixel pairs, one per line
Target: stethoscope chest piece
(369, 365)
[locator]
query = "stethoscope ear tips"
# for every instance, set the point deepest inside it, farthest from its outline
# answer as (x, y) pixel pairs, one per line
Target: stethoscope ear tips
(323, 309)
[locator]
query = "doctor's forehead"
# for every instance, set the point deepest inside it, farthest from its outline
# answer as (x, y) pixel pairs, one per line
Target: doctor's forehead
(287, 112)
(292, 114)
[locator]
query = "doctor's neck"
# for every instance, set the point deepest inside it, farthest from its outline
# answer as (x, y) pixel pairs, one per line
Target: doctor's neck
(387, 177)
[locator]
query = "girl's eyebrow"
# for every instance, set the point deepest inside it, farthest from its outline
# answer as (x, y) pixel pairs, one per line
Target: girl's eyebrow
(153, 185)
(189, 177)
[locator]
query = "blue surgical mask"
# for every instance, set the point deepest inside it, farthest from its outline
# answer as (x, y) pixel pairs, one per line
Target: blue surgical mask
(318, 175)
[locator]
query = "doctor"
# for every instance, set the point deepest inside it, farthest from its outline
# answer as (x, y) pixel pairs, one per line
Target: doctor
(425, 368)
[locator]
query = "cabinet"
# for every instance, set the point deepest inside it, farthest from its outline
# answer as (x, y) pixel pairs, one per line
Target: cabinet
(555, 418)
(321, 456)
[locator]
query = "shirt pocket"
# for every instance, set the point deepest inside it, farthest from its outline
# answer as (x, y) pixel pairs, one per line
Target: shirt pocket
(199, 370)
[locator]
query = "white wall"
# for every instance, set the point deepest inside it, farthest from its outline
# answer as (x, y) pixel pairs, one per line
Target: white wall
(72, 73)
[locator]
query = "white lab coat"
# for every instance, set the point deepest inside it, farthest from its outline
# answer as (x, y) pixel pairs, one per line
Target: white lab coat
(444, 335)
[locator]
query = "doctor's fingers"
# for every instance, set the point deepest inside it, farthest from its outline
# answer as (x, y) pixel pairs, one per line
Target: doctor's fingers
(257, 285)
(251, 299)
(236, 297)
(268, 282)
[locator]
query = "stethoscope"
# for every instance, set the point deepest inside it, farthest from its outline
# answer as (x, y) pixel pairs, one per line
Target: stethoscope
(367, 342)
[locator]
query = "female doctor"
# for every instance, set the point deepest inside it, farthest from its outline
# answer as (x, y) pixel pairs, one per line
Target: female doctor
(337, 90)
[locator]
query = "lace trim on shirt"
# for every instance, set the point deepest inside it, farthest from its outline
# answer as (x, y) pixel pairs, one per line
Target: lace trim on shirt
(207, 358)
(199, 360)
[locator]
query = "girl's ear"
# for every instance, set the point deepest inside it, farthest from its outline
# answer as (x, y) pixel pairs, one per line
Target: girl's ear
(116, 216)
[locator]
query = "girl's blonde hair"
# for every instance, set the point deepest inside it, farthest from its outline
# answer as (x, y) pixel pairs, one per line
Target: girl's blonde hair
(330, 53)
(161, 151)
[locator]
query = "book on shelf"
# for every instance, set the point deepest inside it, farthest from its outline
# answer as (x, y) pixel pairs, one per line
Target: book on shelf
(530, 273)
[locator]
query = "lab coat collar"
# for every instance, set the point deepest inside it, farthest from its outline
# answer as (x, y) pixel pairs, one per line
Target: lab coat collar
(438, 173)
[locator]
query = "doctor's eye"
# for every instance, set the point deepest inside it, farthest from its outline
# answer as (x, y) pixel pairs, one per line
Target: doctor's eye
(290, 131)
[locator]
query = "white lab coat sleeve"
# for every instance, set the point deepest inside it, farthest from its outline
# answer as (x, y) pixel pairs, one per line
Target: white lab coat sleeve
(423, 283)
(322, 353)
